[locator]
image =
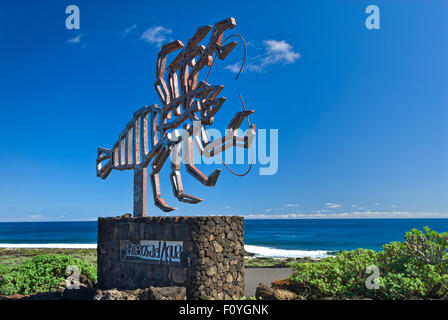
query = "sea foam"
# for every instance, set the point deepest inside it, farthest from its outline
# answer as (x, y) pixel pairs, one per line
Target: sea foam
(284, 253)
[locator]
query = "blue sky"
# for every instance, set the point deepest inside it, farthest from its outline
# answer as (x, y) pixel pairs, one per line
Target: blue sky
(361, 113)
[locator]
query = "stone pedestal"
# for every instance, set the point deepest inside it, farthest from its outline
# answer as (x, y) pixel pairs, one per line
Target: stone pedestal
(203, 254)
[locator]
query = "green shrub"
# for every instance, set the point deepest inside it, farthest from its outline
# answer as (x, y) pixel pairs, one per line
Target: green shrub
(250, 298)
(42, 273)
(429, 247)
(416, 268)
(342, 275)
(3, 269)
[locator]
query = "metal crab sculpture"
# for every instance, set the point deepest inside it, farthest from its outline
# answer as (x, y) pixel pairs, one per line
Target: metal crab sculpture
(150, 137)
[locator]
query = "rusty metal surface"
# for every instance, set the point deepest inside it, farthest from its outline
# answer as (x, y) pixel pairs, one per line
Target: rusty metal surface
(152, 135)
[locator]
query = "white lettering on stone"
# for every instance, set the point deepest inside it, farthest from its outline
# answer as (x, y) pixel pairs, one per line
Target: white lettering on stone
(156, 250)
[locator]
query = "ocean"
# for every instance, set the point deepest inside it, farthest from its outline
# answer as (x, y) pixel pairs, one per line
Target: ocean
(273, 238)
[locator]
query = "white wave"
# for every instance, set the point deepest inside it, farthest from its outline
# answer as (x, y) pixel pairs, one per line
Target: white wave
(49, 245)
(257, 250)
(284, 253)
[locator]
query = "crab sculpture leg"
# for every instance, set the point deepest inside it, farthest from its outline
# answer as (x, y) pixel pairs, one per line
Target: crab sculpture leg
(173, 148)
(232, 139)
(176, 179)
(156, 166)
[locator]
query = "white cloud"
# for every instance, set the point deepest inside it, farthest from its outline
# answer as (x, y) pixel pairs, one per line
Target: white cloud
(127, 30)
(275, 52)
(291, 205)
(332, 205)
(36, 217)
(75, 40)
(351, 215)
(376, 204)
(156, 35)
(235, 68)
(253, 67)
(279, 51)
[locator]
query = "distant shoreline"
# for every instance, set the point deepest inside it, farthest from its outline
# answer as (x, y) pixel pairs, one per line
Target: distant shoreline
(257, 251)
(265, 218)
(264, 238)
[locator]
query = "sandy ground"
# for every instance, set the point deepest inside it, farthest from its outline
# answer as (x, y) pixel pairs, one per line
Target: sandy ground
(264, 275)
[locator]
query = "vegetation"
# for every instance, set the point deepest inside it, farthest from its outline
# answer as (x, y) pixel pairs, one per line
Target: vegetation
(266, 262)
(42, 273)
(250, 298)
(13, 257)
(415, 268)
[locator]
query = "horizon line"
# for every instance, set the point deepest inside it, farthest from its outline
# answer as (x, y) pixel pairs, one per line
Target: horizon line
(246, 218)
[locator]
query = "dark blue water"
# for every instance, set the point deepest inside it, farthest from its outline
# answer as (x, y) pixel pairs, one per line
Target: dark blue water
(334, 234)
(299, 235)
(48, 232)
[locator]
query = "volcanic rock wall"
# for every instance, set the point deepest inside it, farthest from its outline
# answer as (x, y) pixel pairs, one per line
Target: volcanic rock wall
(203, 254)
